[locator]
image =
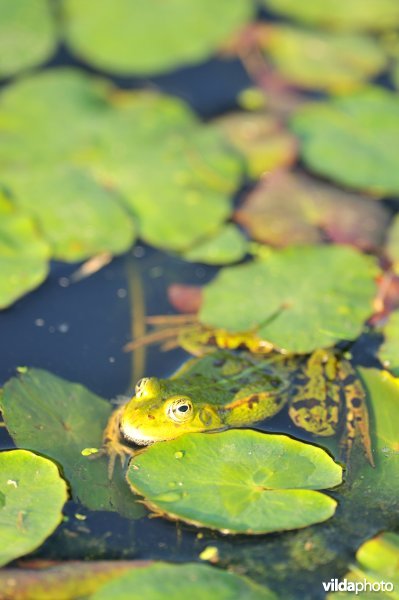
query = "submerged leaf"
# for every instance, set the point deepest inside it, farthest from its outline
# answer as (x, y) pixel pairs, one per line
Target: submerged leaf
(23, 255)
(151, 36)
(323, 60)
(299, 298)
(353, 139)
(33, 496)
(27, 35)
(289, 208)
(249, 483)
(59, 419)
(178, 582)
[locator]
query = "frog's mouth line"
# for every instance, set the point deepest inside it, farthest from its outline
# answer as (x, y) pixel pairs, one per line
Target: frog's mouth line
(133, 434)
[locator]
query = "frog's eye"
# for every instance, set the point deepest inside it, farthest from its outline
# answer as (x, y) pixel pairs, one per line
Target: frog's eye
(147, 386)
(180, 409)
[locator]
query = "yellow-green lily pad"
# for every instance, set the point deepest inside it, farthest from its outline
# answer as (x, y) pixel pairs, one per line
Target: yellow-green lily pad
(375, 574)
(389, 351)
(151, 36)
(354, 15)
(143, 150)
(322, 60)
(178, 582)
(228, 246)
(353, 139)
(298, 298)
(23, 255)
(78, 217)
(59, 419)
(261, 139)
(27, 35)
(249, 482)
(32, 495)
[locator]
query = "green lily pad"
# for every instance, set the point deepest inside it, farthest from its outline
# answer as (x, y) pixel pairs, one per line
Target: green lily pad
(145, 37)
(376, 570)
(33, 495)
(178, 582)
(23, 255)
(389, 351)
(355, 15)
(150, 152)
(392, 245)
(291, 208)
(353, 139)
(227, 246)
(261, 139)
(27, 35)
(342, 61)
(78, 217)
(249, 483)
(59, 419)
(298, 298)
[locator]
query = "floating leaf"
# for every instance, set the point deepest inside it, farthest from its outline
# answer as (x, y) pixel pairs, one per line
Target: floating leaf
(249, 483)
(64, 581)
(59, 419)
(77, 217)
(149, 151)
(27, 35)
(23, 255)
(227, 246)
(261, 139)
(289, 208)
(354, 15)
(389, 351)
(318, 59)
(392, 245)
(145, 37)
(376, 570)
(179, 582)
(33, 496)
(299, 298)
(353, 139)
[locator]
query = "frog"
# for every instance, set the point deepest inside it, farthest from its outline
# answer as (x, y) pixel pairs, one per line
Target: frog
(237, 384)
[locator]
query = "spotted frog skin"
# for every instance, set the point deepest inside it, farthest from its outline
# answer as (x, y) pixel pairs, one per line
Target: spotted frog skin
(228, 388)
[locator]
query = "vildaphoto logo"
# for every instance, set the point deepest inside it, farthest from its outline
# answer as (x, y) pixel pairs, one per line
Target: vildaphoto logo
(335, 585)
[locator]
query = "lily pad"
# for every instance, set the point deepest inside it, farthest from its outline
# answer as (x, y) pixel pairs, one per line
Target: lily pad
(376, 570)
(249, 483)
(261, 139)
(23, 255)
(353, 139)
(33, 495)
(298, 298)
(151, 36)
(227, 246)
(342, 61)
(389, 351)
(144, 150)
(178, 582)
(355, 15)
(392, 245)
(27, 35)
(59, 419)
(78, 217)
(290, 208)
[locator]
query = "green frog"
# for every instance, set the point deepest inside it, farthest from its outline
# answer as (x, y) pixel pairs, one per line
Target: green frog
(234, 388)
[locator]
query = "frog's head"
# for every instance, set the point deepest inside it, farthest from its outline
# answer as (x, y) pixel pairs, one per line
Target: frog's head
(163, 410)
